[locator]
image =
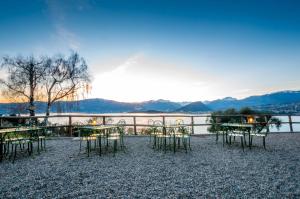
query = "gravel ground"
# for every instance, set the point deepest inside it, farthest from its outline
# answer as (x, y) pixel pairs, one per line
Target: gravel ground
(208, 171)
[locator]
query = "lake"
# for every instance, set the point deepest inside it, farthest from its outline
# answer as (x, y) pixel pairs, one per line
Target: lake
(143, 118)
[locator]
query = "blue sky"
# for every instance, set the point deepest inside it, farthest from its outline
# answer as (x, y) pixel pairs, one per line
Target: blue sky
(176, 50)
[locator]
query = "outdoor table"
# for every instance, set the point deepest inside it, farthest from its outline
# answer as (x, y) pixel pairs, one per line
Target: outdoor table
(238, 126)
(102, 128)
(3, 133)
(165, 127)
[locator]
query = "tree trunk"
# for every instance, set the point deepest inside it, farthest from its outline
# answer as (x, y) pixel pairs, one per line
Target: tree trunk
(31, 96)
(48, 108)
(31, 107)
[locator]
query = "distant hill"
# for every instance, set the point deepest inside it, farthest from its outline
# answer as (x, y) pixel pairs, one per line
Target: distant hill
(158, 105)
(194, 107)
(284, 97)
(286, 101)
(290, 108)
(94, 106)
(110, 106)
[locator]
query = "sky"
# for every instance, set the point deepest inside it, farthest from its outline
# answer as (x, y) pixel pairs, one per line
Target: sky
(179, 50)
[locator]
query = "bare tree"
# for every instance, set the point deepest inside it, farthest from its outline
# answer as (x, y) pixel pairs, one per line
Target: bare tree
(24, 77)
(65, 79)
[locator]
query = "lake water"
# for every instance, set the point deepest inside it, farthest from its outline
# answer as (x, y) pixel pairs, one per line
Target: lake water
(142, 119)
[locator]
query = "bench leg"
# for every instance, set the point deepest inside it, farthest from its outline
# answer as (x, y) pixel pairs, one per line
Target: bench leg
(15, 152)
(242, 141)
(223, 139)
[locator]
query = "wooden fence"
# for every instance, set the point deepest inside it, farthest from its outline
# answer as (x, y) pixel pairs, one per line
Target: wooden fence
(71, 120)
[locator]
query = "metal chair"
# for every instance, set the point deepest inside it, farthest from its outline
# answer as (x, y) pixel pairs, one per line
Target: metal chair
(157, 133)
(86, 135)
(114, 136)
(122, 131)
(150, 128)
(259, 132)
(184, 134)
(235, 134)
(15, 139)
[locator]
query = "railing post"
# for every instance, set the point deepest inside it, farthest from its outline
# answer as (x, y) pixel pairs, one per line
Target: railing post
(192, 123)
(291, 123)
(164, 120)
(103, 120)
(134, 125)
(70, 125)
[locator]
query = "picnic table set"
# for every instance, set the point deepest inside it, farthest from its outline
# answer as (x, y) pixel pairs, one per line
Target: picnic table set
(110, 137)
(102, 136)
(23, 138)
(244, 131)
(170, 136)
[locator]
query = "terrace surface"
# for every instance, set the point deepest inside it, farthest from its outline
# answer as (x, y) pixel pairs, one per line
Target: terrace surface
(208, 171)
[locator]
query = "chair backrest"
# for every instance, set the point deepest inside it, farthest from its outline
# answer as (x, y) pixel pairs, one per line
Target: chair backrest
(158, 125)
(85, 132)
(10, 135)
(179, 122)
(184, 130)
(109, 121)
(121, 122)
(121, 126)
(24, 134)
(150, 122)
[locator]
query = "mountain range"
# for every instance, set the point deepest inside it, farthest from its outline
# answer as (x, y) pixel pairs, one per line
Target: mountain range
(290, 100)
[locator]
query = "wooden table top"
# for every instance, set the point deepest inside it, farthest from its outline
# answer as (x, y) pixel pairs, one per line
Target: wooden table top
(102, 127)
(20, 129)
(237, 125)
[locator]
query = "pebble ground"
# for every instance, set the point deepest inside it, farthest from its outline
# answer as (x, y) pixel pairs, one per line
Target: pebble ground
(208, 171)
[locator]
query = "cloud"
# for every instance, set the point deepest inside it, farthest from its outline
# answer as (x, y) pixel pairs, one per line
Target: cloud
(59, 11)
(68, 36)
(131, 61)
(243, 91)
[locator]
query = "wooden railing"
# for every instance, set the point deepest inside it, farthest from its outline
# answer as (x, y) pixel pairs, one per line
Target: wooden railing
(69, 121)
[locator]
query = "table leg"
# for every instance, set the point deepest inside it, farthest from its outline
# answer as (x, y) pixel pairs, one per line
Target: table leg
(174, 147)
(165, 140)
(1, 148)
(100, 144)
(106, 131)
(244, 137)
(249, 139)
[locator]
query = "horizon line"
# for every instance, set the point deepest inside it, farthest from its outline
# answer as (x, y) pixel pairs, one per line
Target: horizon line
(132, 102)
